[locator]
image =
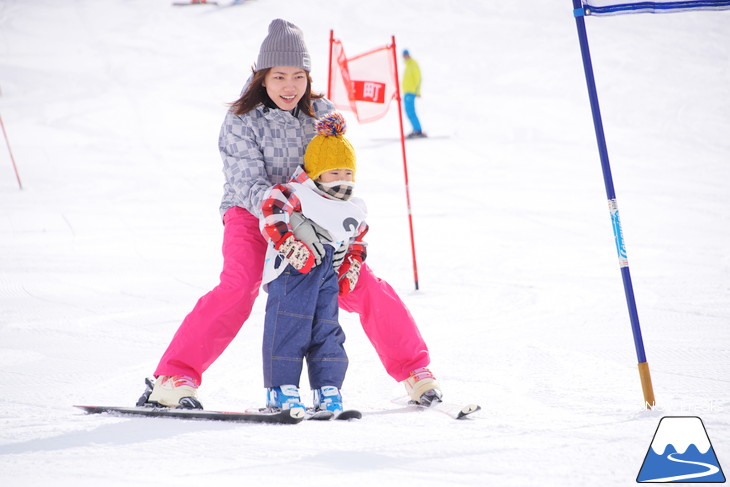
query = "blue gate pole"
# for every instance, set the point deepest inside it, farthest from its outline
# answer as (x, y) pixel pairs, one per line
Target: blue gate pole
(579, 14)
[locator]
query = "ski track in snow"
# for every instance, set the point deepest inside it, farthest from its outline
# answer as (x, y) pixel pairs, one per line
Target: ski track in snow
(113, 111)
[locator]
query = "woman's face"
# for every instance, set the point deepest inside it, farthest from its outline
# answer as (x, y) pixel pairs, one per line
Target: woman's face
(286, 85)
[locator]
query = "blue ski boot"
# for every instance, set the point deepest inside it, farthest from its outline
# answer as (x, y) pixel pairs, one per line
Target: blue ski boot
(328, 398)
(283, 397)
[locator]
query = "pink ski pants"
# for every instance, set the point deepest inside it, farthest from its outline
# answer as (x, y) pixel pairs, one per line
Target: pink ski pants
(218, 316)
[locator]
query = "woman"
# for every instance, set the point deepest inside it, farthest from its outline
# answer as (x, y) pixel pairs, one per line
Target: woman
(262, 142)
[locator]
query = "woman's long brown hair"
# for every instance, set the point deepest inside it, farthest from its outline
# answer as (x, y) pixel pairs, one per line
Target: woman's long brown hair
(256, 95)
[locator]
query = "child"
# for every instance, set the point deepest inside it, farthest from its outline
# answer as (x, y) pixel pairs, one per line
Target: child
(304, 279)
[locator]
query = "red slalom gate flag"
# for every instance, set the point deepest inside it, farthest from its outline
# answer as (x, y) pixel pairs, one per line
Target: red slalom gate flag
(364, 84)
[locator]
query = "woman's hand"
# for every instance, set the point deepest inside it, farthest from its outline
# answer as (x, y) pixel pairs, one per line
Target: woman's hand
(348, 274)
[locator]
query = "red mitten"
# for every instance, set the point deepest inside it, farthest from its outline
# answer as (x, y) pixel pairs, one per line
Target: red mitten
(296, 253)
(348, 274)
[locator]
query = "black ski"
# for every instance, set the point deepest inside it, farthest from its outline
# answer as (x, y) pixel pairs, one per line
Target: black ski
(290, 416)
(328, 415)
(348, 414)
(312, 415)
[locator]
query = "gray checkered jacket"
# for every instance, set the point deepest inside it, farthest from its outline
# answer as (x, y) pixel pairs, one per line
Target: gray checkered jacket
(263, 148)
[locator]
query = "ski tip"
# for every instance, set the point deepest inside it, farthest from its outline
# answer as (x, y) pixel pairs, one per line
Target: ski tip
(467, 410)
(349, 414)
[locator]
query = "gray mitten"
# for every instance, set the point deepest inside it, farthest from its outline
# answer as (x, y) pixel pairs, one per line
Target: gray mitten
(308, 232)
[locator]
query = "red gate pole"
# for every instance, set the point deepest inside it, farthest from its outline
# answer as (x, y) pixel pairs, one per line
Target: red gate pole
(329, 67)
(405, 164)
(12, 159)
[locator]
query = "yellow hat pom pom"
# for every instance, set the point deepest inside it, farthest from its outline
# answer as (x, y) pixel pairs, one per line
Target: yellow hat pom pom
(329, 149)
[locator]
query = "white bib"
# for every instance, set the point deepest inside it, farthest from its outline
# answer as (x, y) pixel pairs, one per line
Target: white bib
(340, 218)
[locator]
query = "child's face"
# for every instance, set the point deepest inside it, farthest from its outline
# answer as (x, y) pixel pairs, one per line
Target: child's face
(335, 175)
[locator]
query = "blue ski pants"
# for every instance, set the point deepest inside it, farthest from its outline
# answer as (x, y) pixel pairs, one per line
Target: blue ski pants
(409, 100)
(302, 322)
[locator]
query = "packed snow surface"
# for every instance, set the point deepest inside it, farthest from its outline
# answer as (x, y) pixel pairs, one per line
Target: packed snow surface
(112, 110)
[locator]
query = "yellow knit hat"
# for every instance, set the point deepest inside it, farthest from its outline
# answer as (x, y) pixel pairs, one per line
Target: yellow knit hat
(329, 149)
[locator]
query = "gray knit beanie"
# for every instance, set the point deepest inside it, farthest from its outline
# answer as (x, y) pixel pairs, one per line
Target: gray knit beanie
(284, 46)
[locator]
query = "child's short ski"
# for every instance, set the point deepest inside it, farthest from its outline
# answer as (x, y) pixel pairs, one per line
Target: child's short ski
(311, 414)
(289, 416)
(348, 414)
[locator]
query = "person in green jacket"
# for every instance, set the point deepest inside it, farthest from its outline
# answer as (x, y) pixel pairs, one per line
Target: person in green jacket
(411, 90)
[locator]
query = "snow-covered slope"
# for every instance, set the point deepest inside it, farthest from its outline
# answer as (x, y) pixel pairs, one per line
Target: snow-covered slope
(113, 109)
